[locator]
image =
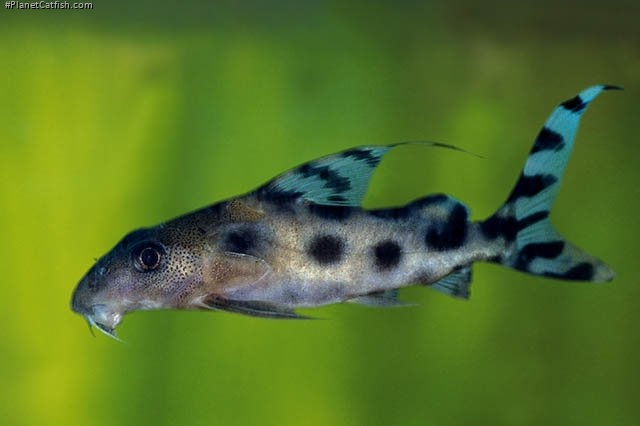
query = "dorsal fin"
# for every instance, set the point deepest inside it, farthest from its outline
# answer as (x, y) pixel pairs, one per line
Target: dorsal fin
(339, 179)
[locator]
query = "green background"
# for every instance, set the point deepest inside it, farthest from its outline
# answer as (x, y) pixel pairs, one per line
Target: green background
(133, 113)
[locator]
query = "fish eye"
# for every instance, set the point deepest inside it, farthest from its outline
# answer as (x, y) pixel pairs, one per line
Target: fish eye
(147, 256)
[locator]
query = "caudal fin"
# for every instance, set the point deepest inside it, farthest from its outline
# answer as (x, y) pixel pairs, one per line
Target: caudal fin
(532, 243)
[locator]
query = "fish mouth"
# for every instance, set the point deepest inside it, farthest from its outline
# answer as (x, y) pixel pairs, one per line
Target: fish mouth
(109, 331)
(104, 320)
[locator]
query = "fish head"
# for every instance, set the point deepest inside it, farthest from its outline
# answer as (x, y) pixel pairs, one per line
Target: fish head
(152, 268)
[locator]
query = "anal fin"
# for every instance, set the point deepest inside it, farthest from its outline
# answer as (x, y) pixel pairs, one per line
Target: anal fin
(455, 284)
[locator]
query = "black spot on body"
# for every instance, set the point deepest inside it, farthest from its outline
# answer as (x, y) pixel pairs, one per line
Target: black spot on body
(548, 250)
(331, 212)
(326, 249)
(548, 140)
(450, 234)
(581, 272)
(528, 186)
(243, 241)
(387, 254)
(575, 104)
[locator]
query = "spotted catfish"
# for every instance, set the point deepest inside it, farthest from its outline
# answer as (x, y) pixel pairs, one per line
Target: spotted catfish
(302, 240)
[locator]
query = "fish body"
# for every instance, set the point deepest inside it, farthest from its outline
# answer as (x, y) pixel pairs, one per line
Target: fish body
(303, 240)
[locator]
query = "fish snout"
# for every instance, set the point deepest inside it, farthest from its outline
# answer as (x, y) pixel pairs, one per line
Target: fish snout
(80, 300)
(91, 304)
(86, 293)
(97, 314)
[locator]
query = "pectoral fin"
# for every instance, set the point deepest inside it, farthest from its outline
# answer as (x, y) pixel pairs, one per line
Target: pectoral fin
(251, 307)
(231, 270)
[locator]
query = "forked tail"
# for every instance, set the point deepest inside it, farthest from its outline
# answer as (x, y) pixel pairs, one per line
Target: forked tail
(533, 245)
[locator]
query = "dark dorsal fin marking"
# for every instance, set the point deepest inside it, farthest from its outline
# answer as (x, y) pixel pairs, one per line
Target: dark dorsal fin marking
(339, 179)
